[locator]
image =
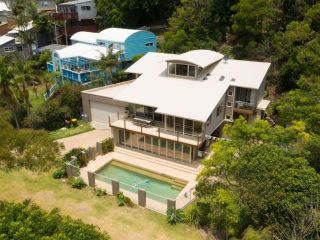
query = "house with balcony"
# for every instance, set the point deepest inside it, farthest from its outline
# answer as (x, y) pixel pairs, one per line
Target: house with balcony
(78, 15)
(177, 102)
(76, 62)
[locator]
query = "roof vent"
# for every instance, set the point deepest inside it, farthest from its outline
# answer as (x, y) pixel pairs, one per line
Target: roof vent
(221, 78)
(233, 80)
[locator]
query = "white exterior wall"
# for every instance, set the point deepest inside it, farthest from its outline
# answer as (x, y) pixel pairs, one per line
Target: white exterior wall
(215, 120)
(85, 14)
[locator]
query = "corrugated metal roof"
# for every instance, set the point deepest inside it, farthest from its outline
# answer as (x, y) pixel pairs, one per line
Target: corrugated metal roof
(75, 2)
(118, 35)
(4, 39)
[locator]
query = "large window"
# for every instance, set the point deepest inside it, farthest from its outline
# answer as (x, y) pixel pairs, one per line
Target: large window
(197, 127)
(182, 70)
(85, 8)
(243, 95)
(170, 122)
(8, 49)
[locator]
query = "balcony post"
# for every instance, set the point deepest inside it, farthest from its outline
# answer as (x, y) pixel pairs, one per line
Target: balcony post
(159, 132)
(109, 121)
(177, 136)
(124, 124)
(198, 141)
(141, 128)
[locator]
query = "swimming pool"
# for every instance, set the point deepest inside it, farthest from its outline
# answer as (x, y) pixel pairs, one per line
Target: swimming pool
(159, 187)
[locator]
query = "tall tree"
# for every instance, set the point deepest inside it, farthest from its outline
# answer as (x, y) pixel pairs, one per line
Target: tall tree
(197, 24)
(8, 86)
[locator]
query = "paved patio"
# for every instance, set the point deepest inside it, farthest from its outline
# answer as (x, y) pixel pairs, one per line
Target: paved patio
(84, 140)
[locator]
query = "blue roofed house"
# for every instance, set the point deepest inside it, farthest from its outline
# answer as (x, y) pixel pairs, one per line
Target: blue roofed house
(76, 62)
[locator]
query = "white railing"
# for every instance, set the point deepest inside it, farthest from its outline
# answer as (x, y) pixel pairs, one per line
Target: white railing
(240, 104)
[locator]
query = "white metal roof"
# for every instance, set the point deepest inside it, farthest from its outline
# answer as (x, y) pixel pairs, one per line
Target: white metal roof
(263, 104)
(109, 91)
(3, 7)
(82, 50)
(75, 2)
(17, 29)
(86, 37)
(188, 98)
(116, 34)
(201, 58)
(4, 39)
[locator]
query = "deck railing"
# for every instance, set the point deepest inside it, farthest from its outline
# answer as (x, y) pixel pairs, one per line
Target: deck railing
(151, 129)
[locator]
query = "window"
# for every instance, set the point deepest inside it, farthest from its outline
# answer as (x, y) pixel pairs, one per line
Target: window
(8, 49)
(229, 104)
(230, 93)
(149, 44)
(228, 117)
(85, 8)
(181, 70)
(19, 48)
(192, 71)
(197, 127)
(218, 111)
(243, 95)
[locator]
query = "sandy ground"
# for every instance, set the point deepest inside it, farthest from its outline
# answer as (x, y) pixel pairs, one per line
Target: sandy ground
(84, 140)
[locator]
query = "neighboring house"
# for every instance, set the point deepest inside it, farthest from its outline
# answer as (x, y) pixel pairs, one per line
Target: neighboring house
(177, 102)
(46, 5)
(4, 12)
(75, 62)
(79, 15)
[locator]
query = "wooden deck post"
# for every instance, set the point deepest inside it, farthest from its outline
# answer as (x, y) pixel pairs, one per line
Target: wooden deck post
(141, 128)
(109, 121)
(159, 132)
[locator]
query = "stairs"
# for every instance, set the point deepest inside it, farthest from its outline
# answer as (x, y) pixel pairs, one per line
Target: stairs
(168, 163)
(51, 91)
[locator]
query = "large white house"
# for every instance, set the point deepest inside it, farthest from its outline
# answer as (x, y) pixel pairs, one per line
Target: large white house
(177, 101)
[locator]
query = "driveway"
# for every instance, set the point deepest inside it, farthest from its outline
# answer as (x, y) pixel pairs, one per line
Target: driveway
(84, 140)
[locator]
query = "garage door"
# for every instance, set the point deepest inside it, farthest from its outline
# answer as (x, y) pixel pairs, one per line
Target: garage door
(100, 113)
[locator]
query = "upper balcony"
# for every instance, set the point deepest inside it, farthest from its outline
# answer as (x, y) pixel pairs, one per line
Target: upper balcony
(244, 107)
(150, 127)
(63, 16)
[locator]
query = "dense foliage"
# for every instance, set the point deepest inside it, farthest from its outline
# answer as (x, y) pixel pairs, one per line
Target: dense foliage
(260, 177)
(66, 103)
(133, 14)
(27, 221)
(31, 149)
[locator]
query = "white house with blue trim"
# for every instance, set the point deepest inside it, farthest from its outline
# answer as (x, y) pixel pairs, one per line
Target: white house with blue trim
(75, 62)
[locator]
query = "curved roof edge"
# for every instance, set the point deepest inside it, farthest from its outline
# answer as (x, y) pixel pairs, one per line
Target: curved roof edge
(87, 37)
(119, 35)
(201, 58)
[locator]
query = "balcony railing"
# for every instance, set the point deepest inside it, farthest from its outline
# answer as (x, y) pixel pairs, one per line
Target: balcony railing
(80, 76)
(123, 121)
(63, 16)
(243, 107)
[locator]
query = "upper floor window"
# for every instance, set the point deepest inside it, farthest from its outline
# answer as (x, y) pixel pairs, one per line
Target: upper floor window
(85, 8)
(149, 44)
(182, 70)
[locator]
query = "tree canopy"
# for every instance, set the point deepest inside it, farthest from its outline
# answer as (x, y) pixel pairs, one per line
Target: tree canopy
(27, 221)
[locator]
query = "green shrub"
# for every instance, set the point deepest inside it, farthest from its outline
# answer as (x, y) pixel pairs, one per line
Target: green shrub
(81, 161)
(100, 192)
(107, 145)
(128, 202)
(28, 221)
(175, 216)
(120, 199)
(60, 172)
(78, 183)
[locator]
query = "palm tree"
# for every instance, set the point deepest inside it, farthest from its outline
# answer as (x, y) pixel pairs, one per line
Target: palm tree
(109, 66)
(25, 76)
(8, 85)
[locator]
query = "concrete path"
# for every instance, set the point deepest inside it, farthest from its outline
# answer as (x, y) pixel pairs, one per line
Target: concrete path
(84, 140)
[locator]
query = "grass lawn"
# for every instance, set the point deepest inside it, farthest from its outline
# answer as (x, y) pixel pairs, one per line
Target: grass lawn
(37, 102)
(68, 132)
(119, 222)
